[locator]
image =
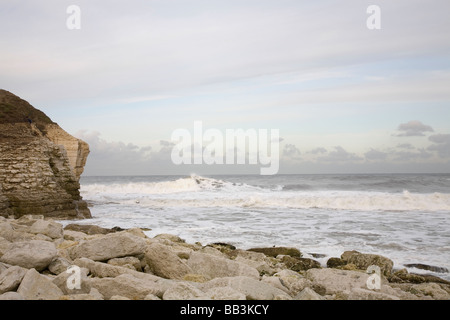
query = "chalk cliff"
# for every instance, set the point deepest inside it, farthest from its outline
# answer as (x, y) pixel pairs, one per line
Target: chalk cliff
(40, 163)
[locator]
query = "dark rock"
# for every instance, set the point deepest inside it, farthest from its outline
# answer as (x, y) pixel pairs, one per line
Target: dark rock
(275, 251)
(403, 276)
(335, 262)
(300, 264)
(362, 261)
(427, 267)
(91, 229)
(221, 245)
(318, 255)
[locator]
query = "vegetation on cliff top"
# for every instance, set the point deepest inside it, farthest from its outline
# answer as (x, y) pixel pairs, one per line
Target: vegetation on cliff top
(15, 110)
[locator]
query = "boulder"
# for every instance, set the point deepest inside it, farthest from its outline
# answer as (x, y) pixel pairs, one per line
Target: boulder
(335, 262)
(109, 246)
(225, 293)
(65, 282)
(308, 294)
(59, 265)
(35, 286)
(74, 235)
(184, 291)
(212, 266)
(427, 267)
(125, 285)
(165, 263)
(36, 254)
(433, 290)
(257, 260)
(11, 278)
(403, 276)
(276, 251)
(292, 281)
(300, 264)
(49, 228)
(104, 270)
(251, 288)
(363, 261)
(4, 244)
(89, 229)
(11, 296)
(128, 262)
(335, 280)
(365, 294)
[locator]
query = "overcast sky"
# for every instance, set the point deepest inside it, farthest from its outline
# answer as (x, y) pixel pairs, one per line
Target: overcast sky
(343, 97)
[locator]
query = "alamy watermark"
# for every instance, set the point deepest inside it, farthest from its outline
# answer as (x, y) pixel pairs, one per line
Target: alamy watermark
(374, 280)
(236, 146)
(374, 20)
(74, 280)
(73, 21)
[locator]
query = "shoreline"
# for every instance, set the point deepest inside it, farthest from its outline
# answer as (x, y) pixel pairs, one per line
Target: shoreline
(36, 253)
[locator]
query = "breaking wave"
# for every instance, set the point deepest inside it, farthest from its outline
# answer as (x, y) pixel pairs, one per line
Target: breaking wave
(197, 191)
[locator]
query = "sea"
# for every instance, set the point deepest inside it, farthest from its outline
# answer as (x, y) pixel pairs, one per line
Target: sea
(405, 217)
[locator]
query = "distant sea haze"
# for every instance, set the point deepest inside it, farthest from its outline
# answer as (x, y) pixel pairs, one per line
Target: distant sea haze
(403, 217)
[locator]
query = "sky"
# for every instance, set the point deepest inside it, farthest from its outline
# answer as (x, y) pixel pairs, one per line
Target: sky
(344, 97)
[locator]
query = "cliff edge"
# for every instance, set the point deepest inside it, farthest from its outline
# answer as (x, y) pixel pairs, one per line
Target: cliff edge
(40, 164)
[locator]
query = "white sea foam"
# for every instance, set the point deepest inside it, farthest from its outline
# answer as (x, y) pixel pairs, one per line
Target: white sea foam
(196, 191)
(404, 218)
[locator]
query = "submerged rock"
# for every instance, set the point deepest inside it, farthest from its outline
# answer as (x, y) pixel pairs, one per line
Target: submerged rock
(427, 267)
(276, 251)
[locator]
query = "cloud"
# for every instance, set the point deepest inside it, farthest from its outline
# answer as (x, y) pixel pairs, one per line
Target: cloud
(441, 146)
(340, 155)
(116, 157)
(291, 151)
(318, 150)
(413, 129)
(406, 156)
(407, 146)
(440, 138)
(376, 155)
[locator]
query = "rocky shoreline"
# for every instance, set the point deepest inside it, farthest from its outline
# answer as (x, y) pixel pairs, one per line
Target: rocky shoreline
(41, 260)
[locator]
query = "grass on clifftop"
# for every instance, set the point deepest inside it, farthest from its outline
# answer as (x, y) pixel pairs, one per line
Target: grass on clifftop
(14, 109)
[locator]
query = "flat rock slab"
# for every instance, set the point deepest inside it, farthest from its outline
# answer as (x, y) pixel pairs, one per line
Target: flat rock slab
(35, 286)
(110, 246)
(335, 280)
(212, 266)
(36, 254)
(11, 278)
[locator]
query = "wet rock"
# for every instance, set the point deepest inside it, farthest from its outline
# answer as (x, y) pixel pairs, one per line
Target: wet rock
(363, 261)
(275, 251)
(300, 264)
(88, 229)
(335, 262)
(427, 267)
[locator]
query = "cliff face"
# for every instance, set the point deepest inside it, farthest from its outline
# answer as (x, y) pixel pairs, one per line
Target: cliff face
(40, 163)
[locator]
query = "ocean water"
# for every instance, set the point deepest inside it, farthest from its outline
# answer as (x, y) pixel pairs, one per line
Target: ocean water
(403, 217)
